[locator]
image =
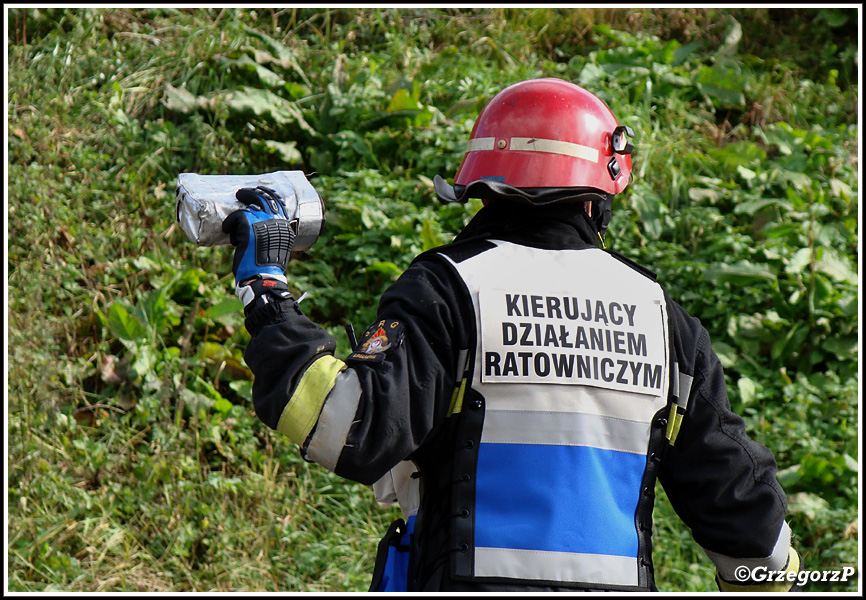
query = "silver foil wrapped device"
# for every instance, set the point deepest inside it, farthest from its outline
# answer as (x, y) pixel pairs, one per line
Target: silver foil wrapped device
(204, 201)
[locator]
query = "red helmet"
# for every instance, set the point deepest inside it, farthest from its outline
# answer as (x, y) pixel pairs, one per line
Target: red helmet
(547, 133)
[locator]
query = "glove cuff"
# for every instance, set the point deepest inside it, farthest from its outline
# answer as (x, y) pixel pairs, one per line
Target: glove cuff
(262, 285)
(266, 300)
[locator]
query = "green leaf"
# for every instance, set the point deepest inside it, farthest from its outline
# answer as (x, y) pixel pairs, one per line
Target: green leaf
(789, 477)
(809, 505)
(157, 311)
(837, 266)
(195, 401)
(798, 263)
(124, 325)
(755, 205)
(222, 405)
(145, 359)
(243, 388)
(794, 338)
(732, 38)
(286, 151)
(723, 87)
(748, 390)
(145, 263)
(211, 351)
(739, 154)
(681, 54)
(727, 354)
(745, 173)
(265, 75)
(266, 104)
(649, 206)
(834, 17)
(385, 267)
(801, 181)
(430, 237)
(285, 57)
(841, 189)
(740, 273)
(403, 100)
(188, 285)
(851, 463)
(180, 100)
(229, 306)
(843, 348)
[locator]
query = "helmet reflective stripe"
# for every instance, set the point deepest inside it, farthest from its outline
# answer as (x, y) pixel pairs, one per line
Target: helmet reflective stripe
(488, 143)
(537, 145)
(554, 147)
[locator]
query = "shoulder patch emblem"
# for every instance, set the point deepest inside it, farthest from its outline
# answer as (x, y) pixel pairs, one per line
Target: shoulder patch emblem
(379, 342)
(378, 339)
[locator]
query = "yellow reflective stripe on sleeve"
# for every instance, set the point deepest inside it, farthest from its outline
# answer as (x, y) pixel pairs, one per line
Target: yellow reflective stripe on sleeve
(674, 422)
(302, 411)
(457, 399)
(460, 386)
(793, 567)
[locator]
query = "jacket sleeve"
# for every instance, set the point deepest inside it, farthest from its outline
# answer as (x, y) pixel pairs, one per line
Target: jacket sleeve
(719, 481)
(361, 416)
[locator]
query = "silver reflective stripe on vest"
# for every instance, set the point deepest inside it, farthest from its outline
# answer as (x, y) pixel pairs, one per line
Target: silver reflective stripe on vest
(568, 429)
(556, 566)
(579, 399)
(336, 418)
(572, 362)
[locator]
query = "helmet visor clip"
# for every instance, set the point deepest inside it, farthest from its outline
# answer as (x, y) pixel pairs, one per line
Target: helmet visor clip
(619, 139)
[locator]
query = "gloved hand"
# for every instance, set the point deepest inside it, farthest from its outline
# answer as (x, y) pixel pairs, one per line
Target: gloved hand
(262, 236)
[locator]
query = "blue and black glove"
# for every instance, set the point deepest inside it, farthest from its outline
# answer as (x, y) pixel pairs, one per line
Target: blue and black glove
(262, 235)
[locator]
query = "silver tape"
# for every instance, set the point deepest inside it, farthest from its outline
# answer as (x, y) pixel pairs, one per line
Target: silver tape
(204, 201)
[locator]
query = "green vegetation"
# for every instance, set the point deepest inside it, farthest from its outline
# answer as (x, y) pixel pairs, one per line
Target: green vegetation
(135, 462)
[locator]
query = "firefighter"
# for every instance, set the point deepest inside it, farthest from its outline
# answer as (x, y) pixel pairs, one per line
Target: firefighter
(522, 388)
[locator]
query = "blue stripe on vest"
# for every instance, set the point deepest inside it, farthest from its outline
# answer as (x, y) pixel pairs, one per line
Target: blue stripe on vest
(593, 510)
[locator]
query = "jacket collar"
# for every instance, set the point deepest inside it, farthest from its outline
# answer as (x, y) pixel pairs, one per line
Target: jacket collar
(558, 226)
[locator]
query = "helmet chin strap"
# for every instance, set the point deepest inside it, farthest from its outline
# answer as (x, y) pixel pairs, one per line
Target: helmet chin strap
(598, 213)
(601, 210)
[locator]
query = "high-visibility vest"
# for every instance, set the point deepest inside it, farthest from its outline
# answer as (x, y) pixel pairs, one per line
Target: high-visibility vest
(572, 361)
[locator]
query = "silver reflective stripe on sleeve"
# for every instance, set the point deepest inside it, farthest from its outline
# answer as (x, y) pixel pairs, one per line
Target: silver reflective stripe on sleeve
(685, 389)
(336, 418)
(682, 386)
(675, 381)
(385, 490)
(564, 429)
(399, 485)
(727, 565)
(555, 566)
(462, 364)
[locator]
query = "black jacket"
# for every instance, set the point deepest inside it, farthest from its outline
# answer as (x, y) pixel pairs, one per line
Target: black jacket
(721, 483)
